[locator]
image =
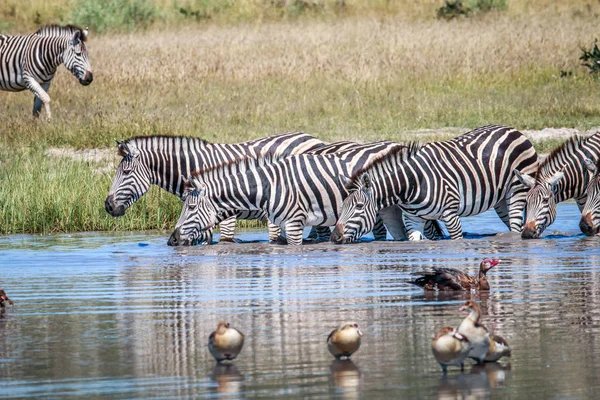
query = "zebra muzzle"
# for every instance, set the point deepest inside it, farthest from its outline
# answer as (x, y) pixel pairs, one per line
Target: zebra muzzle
(337, 235)
(87, 78)
(586, 224)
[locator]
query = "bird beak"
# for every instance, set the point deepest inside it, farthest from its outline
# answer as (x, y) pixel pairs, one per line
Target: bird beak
(463, 308)
(359, 332)
(493, 263)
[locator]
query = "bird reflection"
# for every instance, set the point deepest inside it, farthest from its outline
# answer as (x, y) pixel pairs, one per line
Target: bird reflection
(477, 384)
(448, 295)
(346, 377)
(228, 378)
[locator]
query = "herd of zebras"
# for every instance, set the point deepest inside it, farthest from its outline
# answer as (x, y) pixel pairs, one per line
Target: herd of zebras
(294, 180)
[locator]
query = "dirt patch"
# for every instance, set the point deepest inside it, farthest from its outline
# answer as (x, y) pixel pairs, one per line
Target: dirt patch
(106, 159)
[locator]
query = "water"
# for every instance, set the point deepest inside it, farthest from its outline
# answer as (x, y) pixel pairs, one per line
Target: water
(125, 316)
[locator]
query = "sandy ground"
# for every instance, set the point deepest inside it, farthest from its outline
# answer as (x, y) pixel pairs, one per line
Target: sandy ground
(107, 159)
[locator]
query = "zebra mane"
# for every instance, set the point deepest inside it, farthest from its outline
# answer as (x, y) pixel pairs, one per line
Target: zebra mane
(398, 153)
(548, 166)
(55, 30)
(144, 138)
(235, 166)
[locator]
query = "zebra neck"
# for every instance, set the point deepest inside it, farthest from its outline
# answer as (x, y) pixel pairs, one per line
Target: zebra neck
(53, 58)
(169, 158)
(390, 186)
(574, 183)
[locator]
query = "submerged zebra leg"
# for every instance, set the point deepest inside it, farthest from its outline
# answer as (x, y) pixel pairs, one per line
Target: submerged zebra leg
(379, 231)
(37, 103)
(275, 234)
(502, 210)
(323, 233)
(227, 229)
(40, 93)
(294, 231)
(452, 222)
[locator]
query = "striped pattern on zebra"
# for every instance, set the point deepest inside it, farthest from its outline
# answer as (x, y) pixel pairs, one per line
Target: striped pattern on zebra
(164, 160)
(189, 231)
(30, 61)
(297, 191)
(442, 181)
(590, 216)
(561, 176)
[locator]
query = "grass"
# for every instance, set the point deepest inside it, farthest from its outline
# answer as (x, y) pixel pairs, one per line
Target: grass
(351, 77)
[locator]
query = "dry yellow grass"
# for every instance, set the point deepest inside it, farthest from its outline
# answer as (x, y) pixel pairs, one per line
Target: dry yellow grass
(359, 78)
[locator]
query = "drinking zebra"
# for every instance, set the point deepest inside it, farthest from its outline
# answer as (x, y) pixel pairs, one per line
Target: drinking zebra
(590, 216)
(561, 176)
(443, 180)
(294, 192)
(163, 160)
(30, 61)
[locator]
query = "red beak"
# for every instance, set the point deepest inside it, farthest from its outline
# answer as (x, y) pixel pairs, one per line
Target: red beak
(493, 263)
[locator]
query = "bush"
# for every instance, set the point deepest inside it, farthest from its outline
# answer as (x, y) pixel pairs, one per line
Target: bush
(106, 15)
(591, 58)
(453, 9)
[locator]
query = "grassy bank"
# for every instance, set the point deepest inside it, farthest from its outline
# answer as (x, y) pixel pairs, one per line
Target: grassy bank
(359, 78)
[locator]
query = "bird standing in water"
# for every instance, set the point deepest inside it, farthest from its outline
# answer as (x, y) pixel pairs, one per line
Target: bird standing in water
(476, 333)
(4, 299)
(344, 341)
(225, 343)
(498, 349)
(450, 348)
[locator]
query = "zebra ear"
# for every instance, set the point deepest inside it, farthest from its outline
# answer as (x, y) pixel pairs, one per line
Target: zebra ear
(525, 179)
(85, 33)
(556, 178)
(200, 187)
(365, 179)
(590, 165)
(77, 36)
(122, 148)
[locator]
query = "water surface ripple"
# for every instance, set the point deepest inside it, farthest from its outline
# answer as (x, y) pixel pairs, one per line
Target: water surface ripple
(125, 316)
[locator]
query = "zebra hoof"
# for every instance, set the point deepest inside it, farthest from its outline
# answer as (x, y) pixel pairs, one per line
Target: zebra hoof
(279, 240)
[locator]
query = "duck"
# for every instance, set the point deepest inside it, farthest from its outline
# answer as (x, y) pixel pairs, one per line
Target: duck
(451, 279)
(4, 299)
(225, 343)
(477, 334)
(449, 347)
(344, 341)
(498, 348)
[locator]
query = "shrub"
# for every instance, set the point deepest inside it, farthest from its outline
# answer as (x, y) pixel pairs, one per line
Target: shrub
(591, 58)
(114, 14)
(453, 9)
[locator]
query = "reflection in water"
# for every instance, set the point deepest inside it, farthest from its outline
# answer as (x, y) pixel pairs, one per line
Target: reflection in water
(228, 378)
(118, 320)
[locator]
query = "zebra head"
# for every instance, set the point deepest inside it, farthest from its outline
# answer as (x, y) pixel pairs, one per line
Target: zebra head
(198, 216)
(131, 181)
(75, 57)
(540, 207)
(358, 213)
(590, 216)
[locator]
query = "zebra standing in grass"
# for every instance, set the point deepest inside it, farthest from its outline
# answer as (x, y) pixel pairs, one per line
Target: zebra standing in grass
(561, 176)
(590, 216)
(30, 61)
(164, 160)
(442, 181)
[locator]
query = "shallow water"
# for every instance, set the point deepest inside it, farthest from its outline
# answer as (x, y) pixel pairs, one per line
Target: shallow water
(125, 316)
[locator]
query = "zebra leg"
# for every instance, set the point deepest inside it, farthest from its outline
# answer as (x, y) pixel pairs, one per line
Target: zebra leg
(433, 230)
(39, 93)
(379, 231)
(227, 229)
(502, 210)
(275, 235)
(413, 226)
(452, 222)
(294, 230)
(37, 103)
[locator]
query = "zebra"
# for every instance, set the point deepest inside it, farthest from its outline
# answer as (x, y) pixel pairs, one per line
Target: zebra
(163, 160)
(296, 191)
(442, 181)
(30, 61)
(561, 176)
(590, 216)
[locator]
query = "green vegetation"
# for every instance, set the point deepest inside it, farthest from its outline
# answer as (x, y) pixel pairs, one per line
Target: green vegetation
(335, 74)
(591, 58)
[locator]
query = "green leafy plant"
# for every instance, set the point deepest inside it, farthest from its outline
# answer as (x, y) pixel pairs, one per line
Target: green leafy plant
(591, 58)
(102, 16)
(453, 9)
